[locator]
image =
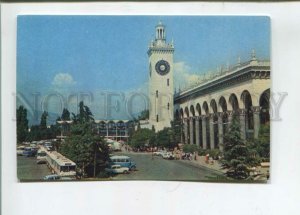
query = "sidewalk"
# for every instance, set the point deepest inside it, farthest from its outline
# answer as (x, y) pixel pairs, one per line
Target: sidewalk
(200, 162)
(260, 173)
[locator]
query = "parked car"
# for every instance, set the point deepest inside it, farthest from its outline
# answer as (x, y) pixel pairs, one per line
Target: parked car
(65, 178)
(123, 161)
(41, 157)
(20, 150)
(117, 169)
(159, 153)
(48, 146)
(168, 155)
(29, 152)
(52, 177)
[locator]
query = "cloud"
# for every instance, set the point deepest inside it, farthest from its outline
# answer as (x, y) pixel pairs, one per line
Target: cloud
(63, 80)
(183, 76)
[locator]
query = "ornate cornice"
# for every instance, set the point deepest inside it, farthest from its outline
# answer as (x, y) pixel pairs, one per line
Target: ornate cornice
(160, 50)
(248, 72)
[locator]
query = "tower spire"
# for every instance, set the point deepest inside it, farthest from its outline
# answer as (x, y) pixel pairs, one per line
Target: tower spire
(160, 32)
(253, 55)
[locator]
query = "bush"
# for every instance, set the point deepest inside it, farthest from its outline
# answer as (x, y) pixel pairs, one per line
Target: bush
(202, 152)
(188, 148)
(214, 153)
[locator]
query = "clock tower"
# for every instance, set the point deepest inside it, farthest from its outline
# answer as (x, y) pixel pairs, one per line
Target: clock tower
(161, 90)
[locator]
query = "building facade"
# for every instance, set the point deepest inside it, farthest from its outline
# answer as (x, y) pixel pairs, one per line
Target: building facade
(113, 129)
(110, 129)
(206, 109)
(161, 90)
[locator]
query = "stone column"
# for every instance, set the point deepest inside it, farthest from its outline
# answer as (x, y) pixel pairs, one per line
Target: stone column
(191, 130)
(220, 130)
(211, 131)
(229, 114)
(204, 132)
(197, 131)
(256, 119)
(181, 130)
(185, 125)
(242, 123)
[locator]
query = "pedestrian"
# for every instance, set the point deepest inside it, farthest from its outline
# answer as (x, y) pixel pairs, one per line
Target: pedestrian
(207, 158)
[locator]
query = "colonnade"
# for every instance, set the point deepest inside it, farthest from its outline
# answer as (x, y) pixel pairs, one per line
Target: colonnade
(207, 131)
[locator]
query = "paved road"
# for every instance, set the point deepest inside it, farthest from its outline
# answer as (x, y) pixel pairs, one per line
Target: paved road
(160, 169)
(29, 170)
(147, 169)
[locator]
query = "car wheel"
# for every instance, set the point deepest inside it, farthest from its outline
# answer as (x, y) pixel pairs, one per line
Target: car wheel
(133, 168)
(125, 172)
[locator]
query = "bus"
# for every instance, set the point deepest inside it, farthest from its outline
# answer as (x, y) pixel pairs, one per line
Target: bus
(123, 161)
(60, 165)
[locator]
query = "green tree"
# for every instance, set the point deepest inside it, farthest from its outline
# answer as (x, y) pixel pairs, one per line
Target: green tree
(261, 145)
(264, 141)
(165, 138)
(190, 148)
(141, 137)
(34, 133)
(237, 156)
(177, 129)
(85, 114)
(65, 114)
(84, 146)
(43, 124)
(144, 115)
(22, 124)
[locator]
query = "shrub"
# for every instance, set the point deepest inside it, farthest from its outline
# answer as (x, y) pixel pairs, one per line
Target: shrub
(188, 148)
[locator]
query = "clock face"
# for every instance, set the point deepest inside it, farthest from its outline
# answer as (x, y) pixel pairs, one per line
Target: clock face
(162, 67)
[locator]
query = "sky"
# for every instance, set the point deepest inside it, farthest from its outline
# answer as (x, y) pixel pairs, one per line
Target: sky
(62, 58)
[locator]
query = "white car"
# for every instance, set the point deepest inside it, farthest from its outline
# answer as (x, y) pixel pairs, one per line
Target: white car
(20, 150)
(117, 169)
(41, 157)
(168, 155)
(53, 177)
(159, 153)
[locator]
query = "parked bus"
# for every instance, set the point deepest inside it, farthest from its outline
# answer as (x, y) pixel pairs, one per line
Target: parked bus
(123, 161)
(60, 165)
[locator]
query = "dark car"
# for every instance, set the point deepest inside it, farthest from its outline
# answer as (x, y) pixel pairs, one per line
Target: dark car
(29, 152)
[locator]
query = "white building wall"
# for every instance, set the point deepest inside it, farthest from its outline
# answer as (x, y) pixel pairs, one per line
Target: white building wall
(158, 83)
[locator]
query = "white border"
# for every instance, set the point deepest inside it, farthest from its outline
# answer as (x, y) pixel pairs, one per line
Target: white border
(148, 197)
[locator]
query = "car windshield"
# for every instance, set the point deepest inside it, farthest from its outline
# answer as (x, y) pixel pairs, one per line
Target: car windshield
(42, 154)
